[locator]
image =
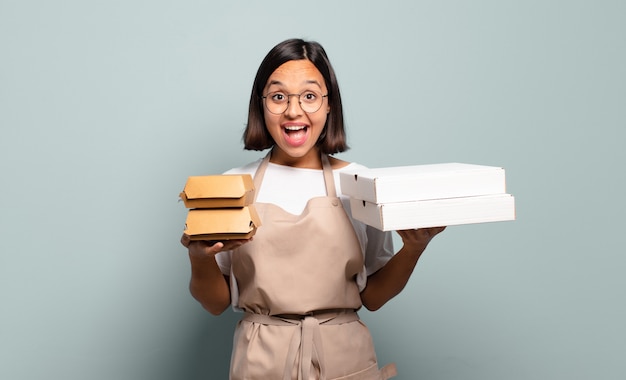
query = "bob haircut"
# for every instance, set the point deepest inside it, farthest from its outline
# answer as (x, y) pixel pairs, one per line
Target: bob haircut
(333, 138)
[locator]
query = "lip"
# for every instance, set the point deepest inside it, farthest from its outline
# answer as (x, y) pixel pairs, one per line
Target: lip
(296, 134)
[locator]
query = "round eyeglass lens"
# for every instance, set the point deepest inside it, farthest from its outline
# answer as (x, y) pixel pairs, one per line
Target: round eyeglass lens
(277, 102)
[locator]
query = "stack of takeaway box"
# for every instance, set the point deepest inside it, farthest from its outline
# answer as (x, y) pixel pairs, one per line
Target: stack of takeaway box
(220, 207)
(420, 196)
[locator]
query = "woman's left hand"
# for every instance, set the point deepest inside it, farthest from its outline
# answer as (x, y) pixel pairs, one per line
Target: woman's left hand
(417, 240)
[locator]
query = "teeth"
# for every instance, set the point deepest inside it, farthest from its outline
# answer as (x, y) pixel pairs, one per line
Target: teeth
(295, 127)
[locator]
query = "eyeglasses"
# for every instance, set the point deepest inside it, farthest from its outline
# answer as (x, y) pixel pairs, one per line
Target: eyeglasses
(277, 102)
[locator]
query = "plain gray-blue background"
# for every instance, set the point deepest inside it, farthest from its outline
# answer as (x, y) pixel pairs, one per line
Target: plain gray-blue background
(107, 106)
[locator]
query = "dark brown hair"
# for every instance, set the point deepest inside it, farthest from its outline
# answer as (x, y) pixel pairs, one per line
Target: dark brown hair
(333, 138)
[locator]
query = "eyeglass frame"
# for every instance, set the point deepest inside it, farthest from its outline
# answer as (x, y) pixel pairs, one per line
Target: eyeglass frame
(264, 99)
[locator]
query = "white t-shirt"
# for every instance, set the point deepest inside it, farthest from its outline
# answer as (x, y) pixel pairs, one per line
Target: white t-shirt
(291, 188)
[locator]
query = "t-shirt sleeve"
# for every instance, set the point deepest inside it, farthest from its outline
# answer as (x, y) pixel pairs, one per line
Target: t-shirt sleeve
(377, 245)
(224, 260)
(379, 249)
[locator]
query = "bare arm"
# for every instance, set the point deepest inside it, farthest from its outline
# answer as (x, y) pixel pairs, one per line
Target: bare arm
(208, 285)
(389, 281)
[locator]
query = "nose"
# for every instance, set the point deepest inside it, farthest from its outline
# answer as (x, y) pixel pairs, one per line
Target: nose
(293, 106)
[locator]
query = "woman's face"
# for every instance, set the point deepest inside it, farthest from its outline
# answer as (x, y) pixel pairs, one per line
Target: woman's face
(295, 131)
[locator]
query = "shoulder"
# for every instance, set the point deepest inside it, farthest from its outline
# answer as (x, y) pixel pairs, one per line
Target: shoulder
(338, 164)
(249, 168)
(341, 165)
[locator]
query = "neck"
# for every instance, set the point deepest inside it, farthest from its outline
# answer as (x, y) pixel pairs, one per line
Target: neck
(310, 160)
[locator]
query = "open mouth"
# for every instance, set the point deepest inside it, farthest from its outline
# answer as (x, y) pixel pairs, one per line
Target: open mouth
(296, 135)
(295, 128)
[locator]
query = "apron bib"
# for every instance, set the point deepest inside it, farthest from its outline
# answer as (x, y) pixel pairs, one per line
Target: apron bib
(297, 285)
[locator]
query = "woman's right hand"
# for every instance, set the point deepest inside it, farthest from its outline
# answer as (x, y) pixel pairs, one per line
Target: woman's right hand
(208, 285)
(206, 248)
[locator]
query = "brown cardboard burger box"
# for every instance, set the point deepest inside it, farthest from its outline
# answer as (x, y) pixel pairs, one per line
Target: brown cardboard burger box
(220, 207)
(218, 191)
(222, 223)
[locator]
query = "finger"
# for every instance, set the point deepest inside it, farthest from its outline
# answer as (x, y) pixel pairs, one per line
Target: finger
(420, 233)
(214, 247)
(185, 240)
(436, 230)
(404, 233)
(204, 247)
(235, 243)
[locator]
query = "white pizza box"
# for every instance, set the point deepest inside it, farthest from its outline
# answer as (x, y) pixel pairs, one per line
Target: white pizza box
(421, 182)
(434, 212)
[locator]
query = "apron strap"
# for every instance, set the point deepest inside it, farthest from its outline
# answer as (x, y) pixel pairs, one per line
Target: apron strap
(329, 179)
(307, 342)
(260, 172)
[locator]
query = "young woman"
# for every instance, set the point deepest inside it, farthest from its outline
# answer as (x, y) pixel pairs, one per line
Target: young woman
(310, 266)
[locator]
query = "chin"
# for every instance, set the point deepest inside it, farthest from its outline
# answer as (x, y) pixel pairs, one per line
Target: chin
(296, 152)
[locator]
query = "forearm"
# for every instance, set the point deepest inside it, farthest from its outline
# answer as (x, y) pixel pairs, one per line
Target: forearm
(390, 280)
(208, 285)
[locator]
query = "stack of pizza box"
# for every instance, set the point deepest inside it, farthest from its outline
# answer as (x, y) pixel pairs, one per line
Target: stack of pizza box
(220, 207)
(419, 196)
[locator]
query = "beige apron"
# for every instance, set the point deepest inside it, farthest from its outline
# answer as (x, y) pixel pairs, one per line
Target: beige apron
(297, 285)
